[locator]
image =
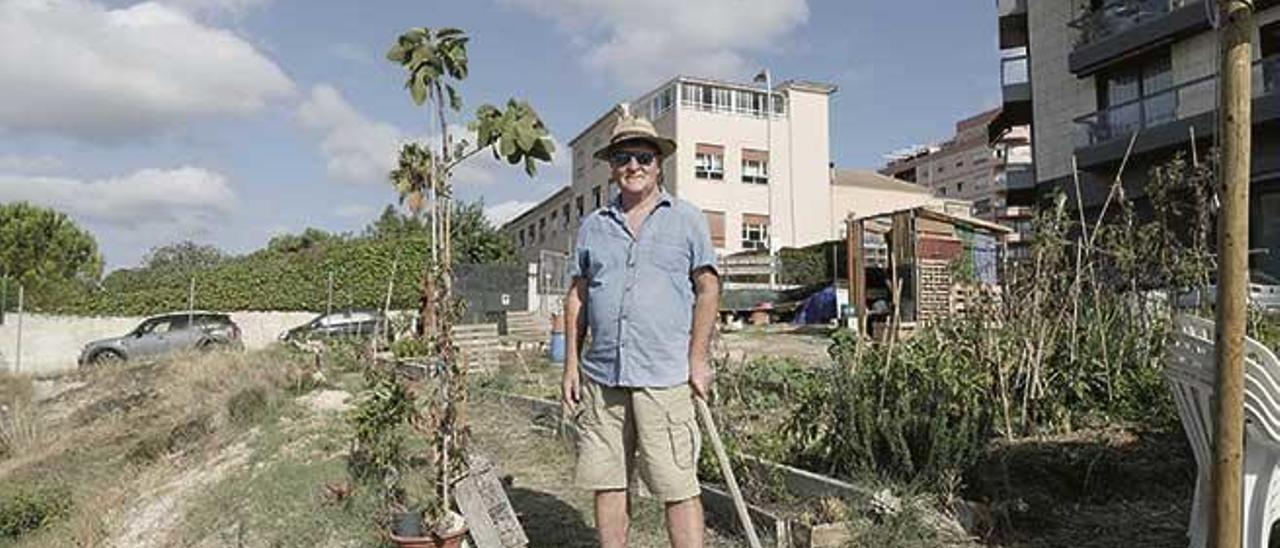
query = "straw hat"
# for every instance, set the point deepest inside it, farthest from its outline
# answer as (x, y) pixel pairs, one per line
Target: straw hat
(634, 128)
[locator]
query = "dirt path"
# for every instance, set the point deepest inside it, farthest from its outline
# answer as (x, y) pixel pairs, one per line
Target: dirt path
(553, 512)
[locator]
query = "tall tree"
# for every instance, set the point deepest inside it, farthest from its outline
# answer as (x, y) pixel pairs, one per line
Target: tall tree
(184, 256)
(45, 250)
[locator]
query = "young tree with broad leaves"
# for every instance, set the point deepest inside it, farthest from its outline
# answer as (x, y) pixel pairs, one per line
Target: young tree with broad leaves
(436, 62)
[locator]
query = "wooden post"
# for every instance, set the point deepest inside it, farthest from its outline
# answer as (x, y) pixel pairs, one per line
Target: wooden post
(328, 302)
(1236, 34)
(17, 359)
(191, 301)
(858, 275)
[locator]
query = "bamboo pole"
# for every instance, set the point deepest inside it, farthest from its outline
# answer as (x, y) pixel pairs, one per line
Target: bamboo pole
(1236, 35)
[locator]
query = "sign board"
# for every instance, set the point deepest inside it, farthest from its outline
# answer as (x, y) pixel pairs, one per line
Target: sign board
(491, 519)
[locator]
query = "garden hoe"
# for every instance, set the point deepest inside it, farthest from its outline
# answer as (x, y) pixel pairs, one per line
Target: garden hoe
(727, 470)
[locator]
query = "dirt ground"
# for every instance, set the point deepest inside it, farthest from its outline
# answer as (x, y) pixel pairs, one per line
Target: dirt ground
(553, 512)
(808, 344)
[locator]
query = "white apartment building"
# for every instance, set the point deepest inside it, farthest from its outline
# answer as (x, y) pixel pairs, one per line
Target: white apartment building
(744, 167)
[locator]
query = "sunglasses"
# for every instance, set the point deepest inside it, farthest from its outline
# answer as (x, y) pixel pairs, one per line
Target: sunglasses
(622, 158)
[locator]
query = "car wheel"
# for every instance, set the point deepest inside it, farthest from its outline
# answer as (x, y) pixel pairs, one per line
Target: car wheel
(106, 357)
(212, 346)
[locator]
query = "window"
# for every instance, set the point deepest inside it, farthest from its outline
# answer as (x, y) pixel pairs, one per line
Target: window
(755, 232)
(959, 163)
(1269, 46)
(697, 95)
(565, 214)
(715, 222)
(1134, 96)
(960, 187)
(579, 201)
(542, 229)
(722, 99)
(595, 193)
(521, 233)
(662, 102)
(708, 162)
(755, 167)
(942, 191)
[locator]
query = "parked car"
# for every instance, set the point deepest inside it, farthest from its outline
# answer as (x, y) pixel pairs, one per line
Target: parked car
(1264, 293)
(166, 334)
(348, 323)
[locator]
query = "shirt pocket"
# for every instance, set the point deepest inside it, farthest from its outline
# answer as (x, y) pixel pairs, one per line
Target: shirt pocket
(671, 257)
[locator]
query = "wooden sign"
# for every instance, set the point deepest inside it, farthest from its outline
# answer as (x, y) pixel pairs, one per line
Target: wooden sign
(491, 519)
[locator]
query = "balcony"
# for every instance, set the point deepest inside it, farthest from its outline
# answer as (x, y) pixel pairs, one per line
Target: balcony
(1017, 177)
(1015, 85)
(1165, 118)
(1013, 23)
(1123, 28)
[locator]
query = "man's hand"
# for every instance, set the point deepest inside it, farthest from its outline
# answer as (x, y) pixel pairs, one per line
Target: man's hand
(700, 378)
(570, 389)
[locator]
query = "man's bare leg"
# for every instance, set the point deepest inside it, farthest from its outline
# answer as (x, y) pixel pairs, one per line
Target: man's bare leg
(611, 518)
(684, 523)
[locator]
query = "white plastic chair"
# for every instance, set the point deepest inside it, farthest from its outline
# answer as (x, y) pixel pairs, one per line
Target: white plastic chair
(1191, 371)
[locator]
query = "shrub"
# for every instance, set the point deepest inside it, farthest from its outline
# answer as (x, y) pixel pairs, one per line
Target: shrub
(24, 509)
(917, 411)
(248, 405)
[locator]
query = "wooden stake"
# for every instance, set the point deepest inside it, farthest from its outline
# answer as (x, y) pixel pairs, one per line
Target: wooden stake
(1236, 35)
(726, 468)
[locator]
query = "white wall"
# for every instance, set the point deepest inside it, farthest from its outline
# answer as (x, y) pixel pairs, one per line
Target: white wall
(51, 344)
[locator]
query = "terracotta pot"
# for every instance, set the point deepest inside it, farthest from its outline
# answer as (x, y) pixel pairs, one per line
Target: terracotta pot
(431, 541)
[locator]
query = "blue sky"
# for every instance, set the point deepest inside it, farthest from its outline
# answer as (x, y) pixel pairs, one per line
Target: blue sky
(228, 121)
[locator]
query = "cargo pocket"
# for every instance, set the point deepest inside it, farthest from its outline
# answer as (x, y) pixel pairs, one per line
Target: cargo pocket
(684, 436)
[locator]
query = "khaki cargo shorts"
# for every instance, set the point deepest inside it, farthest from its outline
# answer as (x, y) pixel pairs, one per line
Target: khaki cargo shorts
(651, 432)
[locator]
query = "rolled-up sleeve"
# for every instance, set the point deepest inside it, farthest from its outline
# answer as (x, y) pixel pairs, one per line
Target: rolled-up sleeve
(579, 260)
(700, 247)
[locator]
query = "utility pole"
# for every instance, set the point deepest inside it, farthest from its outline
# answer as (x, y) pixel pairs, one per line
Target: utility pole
(1235, 119)
(767, 78)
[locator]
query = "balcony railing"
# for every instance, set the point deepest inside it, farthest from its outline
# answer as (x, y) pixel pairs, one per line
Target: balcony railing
(1179, 102)
(1117, 16)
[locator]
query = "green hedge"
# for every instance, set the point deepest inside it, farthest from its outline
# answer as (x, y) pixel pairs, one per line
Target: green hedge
(269, 279)
(812, 265)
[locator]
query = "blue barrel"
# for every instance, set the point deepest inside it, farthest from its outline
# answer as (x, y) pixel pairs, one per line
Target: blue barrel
(557, 347)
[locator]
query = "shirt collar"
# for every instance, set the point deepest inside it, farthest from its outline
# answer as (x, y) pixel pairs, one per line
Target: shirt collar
(615, 205)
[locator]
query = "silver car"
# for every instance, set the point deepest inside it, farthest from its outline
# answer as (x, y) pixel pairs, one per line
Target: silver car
(165, 334)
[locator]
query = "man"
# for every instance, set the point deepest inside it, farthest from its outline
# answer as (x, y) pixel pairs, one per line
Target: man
(645, 284)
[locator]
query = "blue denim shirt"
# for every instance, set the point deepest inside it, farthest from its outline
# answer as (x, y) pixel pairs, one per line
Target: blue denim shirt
(640, 292)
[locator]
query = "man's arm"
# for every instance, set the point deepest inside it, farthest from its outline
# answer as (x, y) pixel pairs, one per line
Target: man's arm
(706, 307)
(575, 334)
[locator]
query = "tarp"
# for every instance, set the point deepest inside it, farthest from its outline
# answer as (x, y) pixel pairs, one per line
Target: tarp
(820, 307)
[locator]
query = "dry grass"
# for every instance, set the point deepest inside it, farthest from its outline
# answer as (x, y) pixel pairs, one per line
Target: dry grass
(128, 423)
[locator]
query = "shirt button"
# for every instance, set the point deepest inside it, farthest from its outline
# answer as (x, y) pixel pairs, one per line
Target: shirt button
(622, 344)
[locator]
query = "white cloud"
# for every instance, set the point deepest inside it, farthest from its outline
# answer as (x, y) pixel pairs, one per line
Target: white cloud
(356, 149)
(131, 214)
(360, 150)
(187, 200)
(14, 163)
(501, 213)
(236, 8)
(80, 69)
(638, 44)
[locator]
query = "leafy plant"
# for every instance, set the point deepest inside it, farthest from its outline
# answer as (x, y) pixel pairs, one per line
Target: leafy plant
(435, 61)
(27, 508)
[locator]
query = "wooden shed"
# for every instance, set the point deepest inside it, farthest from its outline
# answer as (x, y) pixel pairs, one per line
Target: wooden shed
(918, 265)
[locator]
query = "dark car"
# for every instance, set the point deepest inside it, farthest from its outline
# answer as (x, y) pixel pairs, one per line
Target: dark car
(166, 334)
(349, 323)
